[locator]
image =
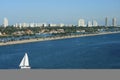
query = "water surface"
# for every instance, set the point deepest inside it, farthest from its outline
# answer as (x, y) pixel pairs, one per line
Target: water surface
(93, 52)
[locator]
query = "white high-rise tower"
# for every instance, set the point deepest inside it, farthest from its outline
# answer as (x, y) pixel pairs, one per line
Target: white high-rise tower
(89, 24)
(106, 22)
(114, 22)
(81, 22)
(5, 23)
(95, 23)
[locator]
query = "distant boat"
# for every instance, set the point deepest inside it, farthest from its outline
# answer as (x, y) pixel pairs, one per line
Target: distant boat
(25, 62)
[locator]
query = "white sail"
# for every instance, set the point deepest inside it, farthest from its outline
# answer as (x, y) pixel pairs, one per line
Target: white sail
(22, 62)
(25, 62)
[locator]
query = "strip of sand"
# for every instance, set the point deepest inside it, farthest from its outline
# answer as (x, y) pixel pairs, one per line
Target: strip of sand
(53, 38)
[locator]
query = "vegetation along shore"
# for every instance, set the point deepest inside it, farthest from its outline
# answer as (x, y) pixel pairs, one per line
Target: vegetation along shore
(12, 35)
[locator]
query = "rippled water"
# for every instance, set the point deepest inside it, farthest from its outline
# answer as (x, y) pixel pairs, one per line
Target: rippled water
(95, 52)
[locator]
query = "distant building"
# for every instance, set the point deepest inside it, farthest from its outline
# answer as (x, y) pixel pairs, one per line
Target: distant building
(70, 25)
(53, 25)
(89, 24)
(62, 25)
(106, 22)
(94, 23)
(5, 23)
(32, 24)
(25, 25)
(20, 25)
(114, 22)
(81, 22)
(16, 25)
(39, 25)
(44, 24)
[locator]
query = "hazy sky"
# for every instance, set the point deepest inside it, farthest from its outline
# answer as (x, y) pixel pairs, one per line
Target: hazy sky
(59, 11)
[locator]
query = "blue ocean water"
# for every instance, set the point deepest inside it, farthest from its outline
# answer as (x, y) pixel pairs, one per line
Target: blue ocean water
(93, 52)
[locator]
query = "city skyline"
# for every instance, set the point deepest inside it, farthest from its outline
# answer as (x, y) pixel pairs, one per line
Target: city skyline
(63, 11)
(81, 22)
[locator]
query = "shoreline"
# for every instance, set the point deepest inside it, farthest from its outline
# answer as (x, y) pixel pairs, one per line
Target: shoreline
(53, 38)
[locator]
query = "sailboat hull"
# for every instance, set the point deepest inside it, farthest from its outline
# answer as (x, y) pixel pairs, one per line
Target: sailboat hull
(25, 67)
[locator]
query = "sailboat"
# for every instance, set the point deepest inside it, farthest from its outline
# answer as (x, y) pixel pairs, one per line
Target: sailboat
(25, 62)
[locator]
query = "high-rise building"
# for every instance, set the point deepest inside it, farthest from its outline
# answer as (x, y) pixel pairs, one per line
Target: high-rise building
(114, 22)
(81, 22)
(95, 23)
(106, 22)
(89, 24)
(5, 23)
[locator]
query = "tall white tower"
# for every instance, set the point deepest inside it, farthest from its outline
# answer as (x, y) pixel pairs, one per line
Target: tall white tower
(89, 24)
(95, 23)
(5, 23)
(114, 22)
(106, 22)
(81, 22)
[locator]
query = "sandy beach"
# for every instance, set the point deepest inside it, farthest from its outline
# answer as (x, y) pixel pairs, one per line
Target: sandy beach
(53, 38)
